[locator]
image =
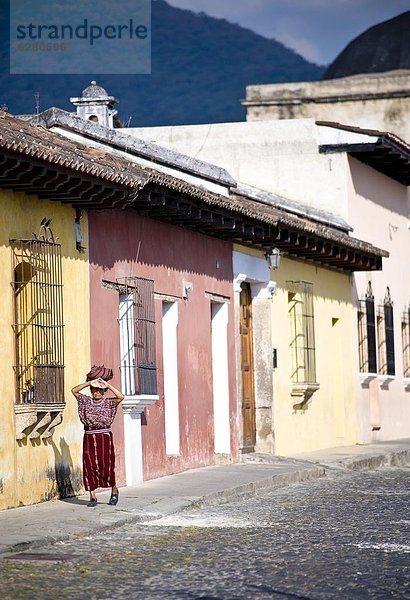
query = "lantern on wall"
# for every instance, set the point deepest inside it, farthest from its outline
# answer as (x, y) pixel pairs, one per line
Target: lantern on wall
(273, 257)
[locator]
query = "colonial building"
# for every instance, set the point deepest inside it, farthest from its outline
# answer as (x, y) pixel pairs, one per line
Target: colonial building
(253, 293)
(162, 267)
(292, 394)
(44, 312)
(367, 85)
(377, 170)
(355, 180)
(161, 311)
(371, 100)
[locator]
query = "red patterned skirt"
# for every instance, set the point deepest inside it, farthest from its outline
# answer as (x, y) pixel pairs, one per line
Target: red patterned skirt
(98, 460)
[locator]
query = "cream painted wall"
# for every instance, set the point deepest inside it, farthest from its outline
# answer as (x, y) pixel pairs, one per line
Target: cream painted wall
(386, 114)
(28, 468)
(329, 417)
(379, 213)
(370, 100)
(265, 155)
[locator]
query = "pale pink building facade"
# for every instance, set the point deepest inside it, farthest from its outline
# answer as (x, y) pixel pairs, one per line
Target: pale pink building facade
(379, 212)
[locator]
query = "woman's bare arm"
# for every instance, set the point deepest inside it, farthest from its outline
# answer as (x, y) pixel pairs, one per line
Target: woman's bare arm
(119, 395)
(77, 389)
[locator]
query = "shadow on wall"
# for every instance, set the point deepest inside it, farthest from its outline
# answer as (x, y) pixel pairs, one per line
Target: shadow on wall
(379, 188)
(69, 480)
(138, 240)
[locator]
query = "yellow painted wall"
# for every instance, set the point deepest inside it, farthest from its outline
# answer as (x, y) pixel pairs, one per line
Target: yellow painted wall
(329, 418)
(28, 468)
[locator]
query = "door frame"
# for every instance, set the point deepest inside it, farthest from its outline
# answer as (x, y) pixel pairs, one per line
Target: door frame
(255, 271)
(248, 420)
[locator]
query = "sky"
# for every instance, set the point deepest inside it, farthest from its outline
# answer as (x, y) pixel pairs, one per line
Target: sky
(316, 29)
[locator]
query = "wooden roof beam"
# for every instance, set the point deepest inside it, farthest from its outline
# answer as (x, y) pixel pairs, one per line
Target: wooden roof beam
(11, 165)
(116, 198)
(25, 178)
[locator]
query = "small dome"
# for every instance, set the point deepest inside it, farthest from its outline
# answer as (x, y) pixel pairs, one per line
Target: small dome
(94, 91)
(384, 47)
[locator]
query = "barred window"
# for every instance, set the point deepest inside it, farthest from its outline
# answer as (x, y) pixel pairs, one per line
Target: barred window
(367, 333)
(405, 337)
(38, 319)
(385, 330)
(389, 329)
(137, 336)
(302, 326)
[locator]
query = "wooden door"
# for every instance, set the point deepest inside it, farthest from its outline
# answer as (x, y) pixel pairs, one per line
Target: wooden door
(248, 396)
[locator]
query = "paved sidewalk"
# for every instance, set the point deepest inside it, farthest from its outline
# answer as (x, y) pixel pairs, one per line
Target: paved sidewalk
(32, 526)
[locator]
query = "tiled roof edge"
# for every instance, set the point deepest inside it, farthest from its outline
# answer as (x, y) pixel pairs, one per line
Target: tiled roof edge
(115, 138)
(384, 135)
(292, 206)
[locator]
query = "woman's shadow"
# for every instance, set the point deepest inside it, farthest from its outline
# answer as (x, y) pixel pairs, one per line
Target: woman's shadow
(69, 480)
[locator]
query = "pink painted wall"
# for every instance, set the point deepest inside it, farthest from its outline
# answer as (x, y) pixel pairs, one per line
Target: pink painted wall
(126, 244)
(378, 212)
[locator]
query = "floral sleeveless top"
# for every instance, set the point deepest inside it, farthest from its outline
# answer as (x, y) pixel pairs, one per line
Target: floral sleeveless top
(96, 415)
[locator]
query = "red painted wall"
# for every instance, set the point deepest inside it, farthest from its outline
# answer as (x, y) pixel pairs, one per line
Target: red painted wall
(125, 244)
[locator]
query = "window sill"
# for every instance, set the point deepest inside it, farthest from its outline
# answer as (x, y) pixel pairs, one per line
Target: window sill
(137, 404)
(302, 392)
(366, 378)
(34, 421)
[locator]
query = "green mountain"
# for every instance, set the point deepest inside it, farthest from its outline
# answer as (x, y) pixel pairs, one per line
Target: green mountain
(200, 67)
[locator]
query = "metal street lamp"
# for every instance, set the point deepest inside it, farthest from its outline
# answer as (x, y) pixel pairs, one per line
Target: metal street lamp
(273, 257)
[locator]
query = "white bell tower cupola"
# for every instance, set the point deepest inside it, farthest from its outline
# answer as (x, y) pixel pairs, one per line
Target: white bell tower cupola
(96, 105)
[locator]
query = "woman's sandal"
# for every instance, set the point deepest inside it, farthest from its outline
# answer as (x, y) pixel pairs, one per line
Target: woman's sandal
(93, 502)
(113, 499)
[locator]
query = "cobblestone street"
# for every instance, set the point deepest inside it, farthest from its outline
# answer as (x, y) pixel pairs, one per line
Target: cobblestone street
(345, 536)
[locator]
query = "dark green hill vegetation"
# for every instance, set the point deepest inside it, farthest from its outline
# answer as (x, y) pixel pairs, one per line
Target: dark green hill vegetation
(200, 67)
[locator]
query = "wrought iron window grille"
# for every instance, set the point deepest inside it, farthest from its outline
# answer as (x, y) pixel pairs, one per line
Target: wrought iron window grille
(405, 336)
(137, 336)
(302, 340)
(367, 333)
(38, 319)
(385, 331)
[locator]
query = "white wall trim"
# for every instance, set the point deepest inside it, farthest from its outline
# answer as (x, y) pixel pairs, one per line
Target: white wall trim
(256, 271)
(254, 268)
(220, 377)
(264, 291)
(138, 403)
(132, 408)
(170, 366)
(239, 279)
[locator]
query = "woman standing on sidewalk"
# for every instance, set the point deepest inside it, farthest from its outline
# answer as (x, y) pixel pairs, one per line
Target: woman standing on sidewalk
(97, 414)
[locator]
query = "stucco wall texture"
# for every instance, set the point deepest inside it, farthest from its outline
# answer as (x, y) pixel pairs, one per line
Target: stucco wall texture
(374, 101)
(30, 469)
(264, 154)
(378, 211)
(168, 255)
(328, 419)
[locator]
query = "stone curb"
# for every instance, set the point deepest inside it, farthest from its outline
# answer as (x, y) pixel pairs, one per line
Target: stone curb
(400, 458)
(391, 459)
(50, 539)
(250, 489)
